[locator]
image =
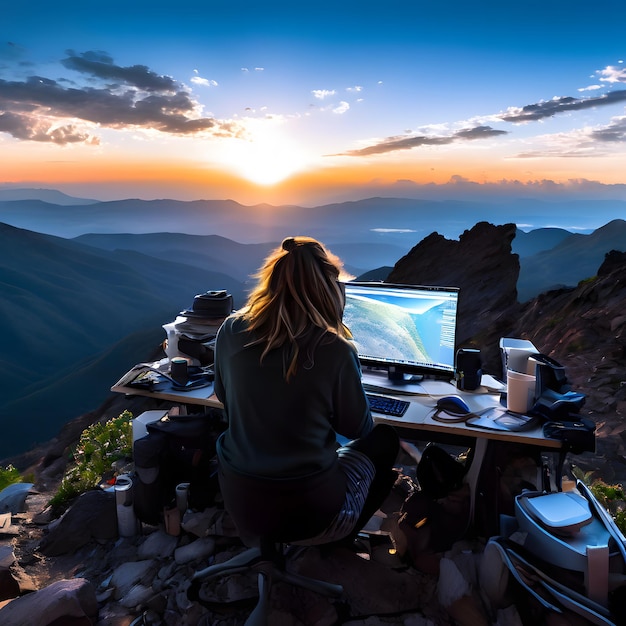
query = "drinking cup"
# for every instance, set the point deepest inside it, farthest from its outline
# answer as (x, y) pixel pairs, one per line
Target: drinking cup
(178, 370)
(520, 393)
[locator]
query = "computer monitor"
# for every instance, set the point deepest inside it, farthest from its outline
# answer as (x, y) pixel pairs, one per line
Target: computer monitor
(403, 329)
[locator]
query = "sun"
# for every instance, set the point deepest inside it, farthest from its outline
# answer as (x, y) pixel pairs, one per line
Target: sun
(267, 155)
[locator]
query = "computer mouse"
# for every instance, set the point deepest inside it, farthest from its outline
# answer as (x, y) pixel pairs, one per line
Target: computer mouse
(455, 405)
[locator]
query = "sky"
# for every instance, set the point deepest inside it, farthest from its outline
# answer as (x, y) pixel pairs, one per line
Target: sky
(285, 102)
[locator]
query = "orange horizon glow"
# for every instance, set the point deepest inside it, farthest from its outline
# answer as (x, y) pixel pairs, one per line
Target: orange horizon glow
(156, 176)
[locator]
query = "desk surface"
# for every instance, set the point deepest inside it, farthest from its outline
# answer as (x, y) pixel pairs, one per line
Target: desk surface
(418, 417)
(165, 390)
(423, 397)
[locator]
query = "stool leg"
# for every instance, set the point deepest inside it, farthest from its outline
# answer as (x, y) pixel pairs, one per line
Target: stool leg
(240, 562)
(258, 617)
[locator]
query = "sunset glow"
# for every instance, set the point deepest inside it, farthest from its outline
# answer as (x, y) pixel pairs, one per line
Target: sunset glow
(261, 105)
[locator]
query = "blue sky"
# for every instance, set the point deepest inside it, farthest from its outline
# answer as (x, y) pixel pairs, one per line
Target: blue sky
(286, 103)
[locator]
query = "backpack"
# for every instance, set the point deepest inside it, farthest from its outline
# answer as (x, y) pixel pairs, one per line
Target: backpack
(176, 449)
(436, 515)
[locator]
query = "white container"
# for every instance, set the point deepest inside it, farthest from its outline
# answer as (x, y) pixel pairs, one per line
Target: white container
(126, 518)
(520, 391)
(507, 344)
(182, 497)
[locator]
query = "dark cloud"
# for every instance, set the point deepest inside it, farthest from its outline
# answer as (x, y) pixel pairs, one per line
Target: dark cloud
(100, 65)
(531, 112)
(479, 132)
(25, 128)
(541, 110)
(116, 97)
(613, 133)
(392, 144)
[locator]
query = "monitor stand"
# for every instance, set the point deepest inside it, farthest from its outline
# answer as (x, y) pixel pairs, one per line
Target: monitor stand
(382, 381)
(400, 378)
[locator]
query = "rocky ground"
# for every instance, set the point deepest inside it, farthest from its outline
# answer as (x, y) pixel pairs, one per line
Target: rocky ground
(77, 570)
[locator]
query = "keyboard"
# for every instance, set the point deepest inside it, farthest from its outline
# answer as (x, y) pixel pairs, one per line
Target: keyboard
(387, 405)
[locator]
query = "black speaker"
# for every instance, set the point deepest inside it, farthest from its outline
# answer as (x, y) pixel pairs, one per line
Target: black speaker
(468, 369)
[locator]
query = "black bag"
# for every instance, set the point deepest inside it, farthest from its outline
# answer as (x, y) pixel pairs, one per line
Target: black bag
(176, 450)
(576, 432)
(438, 472)
(432, 525)
(436, 515)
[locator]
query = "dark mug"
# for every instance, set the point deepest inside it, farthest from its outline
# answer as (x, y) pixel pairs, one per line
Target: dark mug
(178, 370)
(469, 371)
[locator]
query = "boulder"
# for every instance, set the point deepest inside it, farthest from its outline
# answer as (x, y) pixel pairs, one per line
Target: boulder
(65, 601)
(92, 516)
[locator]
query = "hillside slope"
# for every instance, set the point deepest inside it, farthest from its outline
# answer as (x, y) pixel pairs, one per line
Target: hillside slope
(63, 306)
(575, 258)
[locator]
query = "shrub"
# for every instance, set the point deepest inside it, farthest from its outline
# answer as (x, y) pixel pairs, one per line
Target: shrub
(100, 446)
(8, 476)
(611, 497)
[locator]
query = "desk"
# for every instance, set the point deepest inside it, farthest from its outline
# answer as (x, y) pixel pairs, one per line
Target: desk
(418, 417)
(416, 424)
(164, 390)
(423, 396)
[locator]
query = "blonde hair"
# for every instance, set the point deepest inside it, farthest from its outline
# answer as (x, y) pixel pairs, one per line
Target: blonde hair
(297, 301)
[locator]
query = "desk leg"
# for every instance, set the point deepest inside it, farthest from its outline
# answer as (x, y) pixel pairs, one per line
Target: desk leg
(473, 473)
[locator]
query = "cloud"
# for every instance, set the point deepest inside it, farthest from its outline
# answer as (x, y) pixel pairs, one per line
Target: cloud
(321, 94)
(341, 108)
(615, 132)
(203, 82)
(541, 110)
(22, 127)
(38, 108)
(438, 135)
(100, 65)
(392, 144)
(612, 74)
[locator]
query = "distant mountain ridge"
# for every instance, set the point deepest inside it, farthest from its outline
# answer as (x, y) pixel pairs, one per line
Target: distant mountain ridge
(399, 221)
(574, 258)
(71, 308)
(52, 196)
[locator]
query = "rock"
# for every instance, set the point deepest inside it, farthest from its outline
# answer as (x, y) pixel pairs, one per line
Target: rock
(198, 549)
(92, 516)
(9, 588)
(13, 497)
(127, 575)
(137, 596)
(158, 545)
(61, 601)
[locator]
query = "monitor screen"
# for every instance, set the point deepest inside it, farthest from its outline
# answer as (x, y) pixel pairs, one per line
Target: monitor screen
(405, 329)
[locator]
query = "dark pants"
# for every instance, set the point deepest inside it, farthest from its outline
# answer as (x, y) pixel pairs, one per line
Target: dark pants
(382, 446)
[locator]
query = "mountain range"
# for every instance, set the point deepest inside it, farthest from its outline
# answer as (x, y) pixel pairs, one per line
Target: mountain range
(79, 309)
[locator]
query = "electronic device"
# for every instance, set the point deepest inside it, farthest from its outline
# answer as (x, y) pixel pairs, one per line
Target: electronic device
(455, 405)
(406, 330)
(387, 405)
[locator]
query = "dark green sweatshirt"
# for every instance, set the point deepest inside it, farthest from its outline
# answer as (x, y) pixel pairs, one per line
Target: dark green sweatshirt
(286, 429)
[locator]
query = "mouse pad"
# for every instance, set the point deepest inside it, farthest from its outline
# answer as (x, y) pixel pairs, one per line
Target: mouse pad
(502, 420)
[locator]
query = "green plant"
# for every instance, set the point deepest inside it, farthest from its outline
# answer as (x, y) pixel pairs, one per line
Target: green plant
(611, 497)
(8, 476)
(586, 281)
(100, 446)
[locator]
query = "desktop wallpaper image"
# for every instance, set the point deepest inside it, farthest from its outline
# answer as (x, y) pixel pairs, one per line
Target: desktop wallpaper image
(323, 102)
